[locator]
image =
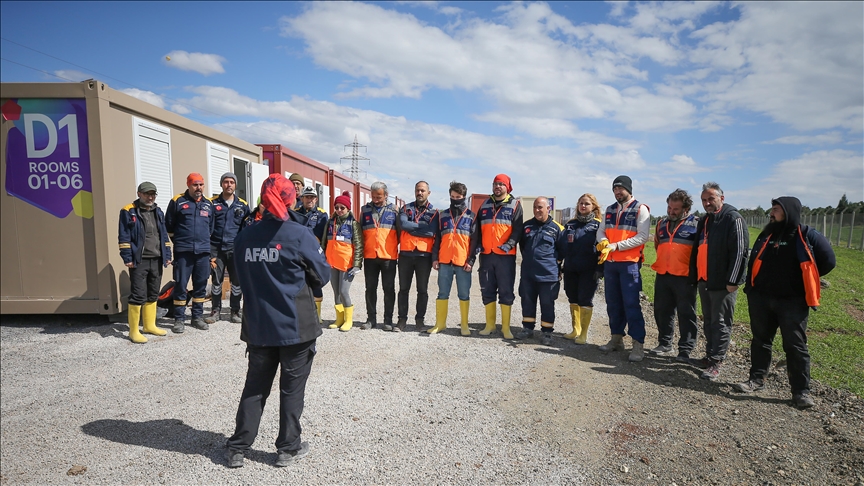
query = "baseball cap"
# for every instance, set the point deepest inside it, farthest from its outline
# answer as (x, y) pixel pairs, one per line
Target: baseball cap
(146, 187)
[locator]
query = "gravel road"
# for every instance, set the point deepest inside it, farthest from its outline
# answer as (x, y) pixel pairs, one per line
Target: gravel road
(83, 405)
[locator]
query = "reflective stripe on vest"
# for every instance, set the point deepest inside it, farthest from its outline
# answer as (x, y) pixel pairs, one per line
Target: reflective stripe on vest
(409, 242)
(809, 270)
(620, 226)
(497, 225)
(340, 250)
(674, 247)
(455, 237)
(379, 237)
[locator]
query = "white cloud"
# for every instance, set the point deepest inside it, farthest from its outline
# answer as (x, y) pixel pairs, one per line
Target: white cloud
(683, 164)
(817, 178)
(72, 75)
(198, 62)
(823, 139)
(148, 96)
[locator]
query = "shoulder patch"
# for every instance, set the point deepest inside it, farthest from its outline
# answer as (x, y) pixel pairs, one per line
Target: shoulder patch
(242, 200)
(128, 206)
(178, 196)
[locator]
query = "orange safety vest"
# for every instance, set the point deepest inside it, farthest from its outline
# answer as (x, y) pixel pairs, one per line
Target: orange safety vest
(497, 224)
(620, 226)
(809, 270)
(455, 237)
(379, 237)
(674, 247)
(340, 250)
(409, 242)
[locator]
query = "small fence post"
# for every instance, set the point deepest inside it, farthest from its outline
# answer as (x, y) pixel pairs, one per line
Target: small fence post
(840, 227)
(851, 230)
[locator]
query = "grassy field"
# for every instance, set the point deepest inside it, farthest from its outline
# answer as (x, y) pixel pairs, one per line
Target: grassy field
(835, 331)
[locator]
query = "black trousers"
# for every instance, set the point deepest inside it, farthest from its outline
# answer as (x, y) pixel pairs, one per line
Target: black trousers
(580, 287)
(767, 314)
(296, 363)
(674, 293)
(387, 268)
(408, 266)
(146, 278)
(497, 275)
(225, 260)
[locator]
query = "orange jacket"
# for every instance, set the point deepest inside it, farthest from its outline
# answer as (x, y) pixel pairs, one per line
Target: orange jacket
(455, 237)
(621, 226)
(674, 246)
(496, 225)
(380, 238)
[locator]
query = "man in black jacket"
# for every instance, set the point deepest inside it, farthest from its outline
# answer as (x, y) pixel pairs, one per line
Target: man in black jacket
(782, 285)
(717, 266)
(278, 263)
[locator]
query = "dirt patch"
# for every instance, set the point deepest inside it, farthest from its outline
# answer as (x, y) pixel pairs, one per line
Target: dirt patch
(855, 312)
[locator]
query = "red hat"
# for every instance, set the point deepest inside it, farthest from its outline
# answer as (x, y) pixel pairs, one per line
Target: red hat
(504, 178)
(194, 178)
(344, 199)
(278, 195)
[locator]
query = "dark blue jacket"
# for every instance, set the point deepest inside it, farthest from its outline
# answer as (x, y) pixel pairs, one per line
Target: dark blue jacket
(539, 246)
(228, 220)
(190, 223)
(277, 264)
(314, 219)
(130, 235)
(577, 246)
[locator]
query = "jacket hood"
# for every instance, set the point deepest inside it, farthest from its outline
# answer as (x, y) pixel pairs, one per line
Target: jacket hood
(792, 207)
(724, 210)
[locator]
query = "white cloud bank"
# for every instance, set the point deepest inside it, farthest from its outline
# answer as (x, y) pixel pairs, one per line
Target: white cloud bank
(198, 62)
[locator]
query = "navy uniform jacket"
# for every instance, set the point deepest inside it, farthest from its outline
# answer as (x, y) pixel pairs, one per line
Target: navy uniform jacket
(576, 246)
(314, 219)
(539, 246)
(190, 223)
(228, 220)
(131, 233)
(277, 264)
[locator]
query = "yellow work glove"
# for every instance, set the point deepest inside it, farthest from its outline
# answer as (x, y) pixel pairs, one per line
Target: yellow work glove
(604, 254)
(603, 244)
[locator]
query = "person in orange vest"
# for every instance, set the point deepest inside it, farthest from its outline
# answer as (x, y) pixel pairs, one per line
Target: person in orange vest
(418, 222)
(673, 240)
(783, 283)
(379, 221)
(621, 240)
(718, 265)
(343, 247)
(454, 253)
(500, 225)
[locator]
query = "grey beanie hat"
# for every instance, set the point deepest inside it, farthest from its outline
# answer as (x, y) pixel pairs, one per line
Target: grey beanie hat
(227, 175)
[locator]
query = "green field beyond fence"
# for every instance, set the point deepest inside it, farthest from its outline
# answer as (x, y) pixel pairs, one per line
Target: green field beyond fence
(835, 331)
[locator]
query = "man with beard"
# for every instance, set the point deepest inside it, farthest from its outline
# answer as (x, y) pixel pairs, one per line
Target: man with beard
(190, 221)
(782, 285)
(673, 241)
(717, 265)
(621, 241)
(229, 212)
(311, 216)
(419, 221)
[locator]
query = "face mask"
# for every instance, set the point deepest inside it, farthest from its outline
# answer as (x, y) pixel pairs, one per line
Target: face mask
(457, 203)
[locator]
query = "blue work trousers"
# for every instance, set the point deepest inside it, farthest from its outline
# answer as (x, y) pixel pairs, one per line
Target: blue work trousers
(623, 284)
(547, 292)
(497, 275)
(446, 272)
(196, 266)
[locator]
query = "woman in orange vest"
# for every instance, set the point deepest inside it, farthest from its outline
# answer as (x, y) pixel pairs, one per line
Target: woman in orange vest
(343, 247)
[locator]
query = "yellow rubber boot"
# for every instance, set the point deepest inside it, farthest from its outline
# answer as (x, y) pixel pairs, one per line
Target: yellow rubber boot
(585, 318)
(440, 316)
(463, 311)
(340, 316)
(491, 312)
(318, 307)
(505, 321)
(574, 316)
(134, 318)
(148, 314)
(349, 319)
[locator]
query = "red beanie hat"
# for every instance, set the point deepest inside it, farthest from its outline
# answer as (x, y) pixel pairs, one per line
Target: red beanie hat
(277, 195)
(193, 178)
(344, 199)
(504, 178)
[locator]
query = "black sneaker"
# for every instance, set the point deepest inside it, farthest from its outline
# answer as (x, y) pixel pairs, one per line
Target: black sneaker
(712, 372)
(525, 333)
(420, 322)
(286, 458)
(199, 323)
(214, 316)
(749, 386)
(682, 358)
(400, 325)
(701, 363)
(661, 350)
(369, 324)
(388, 327)
(235, 458)
(179, 326)
(546, 340)
(235, 317)
(803, 400)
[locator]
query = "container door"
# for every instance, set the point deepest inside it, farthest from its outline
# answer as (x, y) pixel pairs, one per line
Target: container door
(241, 169)
(258, 173)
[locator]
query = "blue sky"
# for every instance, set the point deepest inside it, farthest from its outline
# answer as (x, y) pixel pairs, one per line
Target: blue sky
(765, 98)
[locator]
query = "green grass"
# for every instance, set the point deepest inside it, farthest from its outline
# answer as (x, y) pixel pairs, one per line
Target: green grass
(835, 331)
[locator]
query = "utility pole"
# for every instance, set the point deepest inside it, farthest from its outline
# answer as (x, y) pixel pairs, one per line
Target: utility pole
(355, 158)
